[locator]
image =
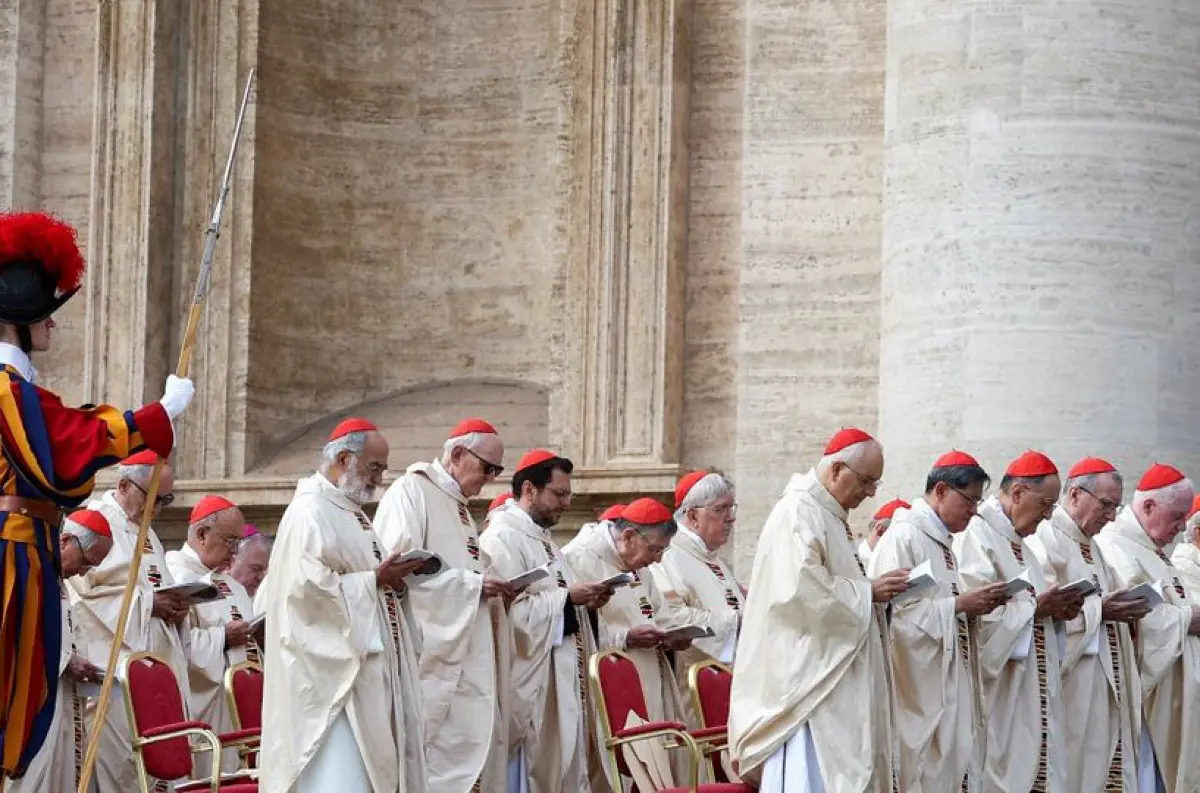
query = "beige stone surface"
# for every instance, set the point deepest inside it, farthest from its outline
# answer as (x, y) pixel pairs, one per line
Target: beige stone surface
(652, 234)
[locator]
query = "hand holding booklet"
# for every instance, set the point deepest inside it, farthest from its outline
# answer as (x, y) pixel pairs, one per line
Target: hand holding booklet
(689, 632)
(1150, 591)
(618, 580)
(527, 578)
(198, 591)
(1018, 584)
(434, 564)
(1083, 586)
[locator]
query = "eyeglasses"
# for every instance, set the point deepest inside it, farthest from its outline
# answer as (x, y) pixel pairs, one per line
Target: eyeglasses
(1106, 504)
(159, 500)
(489, 469)
(561, 495)
(723, 510)
(863, 479)
(974, 502)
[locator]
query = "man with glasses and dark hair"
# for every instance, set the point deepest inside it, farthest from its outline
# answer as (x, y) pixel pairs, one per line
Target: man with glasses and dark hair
(427, 509)
(551, 630)
(940, 719)
(1018, 642)
(156, 618)
(1100, 668)
(218, 630)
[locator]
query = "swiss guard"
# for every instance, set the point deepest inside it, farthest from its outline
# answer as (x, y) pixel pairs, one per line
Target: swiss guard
(51, 453)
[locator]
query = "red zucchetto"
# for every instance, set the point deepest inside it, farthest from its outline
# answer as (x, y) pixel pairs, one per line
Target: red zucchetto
(844, 438)
(1031, 465)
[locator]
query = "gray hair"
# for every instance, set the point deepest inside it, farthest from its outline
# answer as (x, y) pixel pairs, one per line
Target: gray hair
(851, 455)
(1179, 491)
(711, 487)
(666, 528)
(471, 441)
(265, 540)
(1088, 482)
(207, 522)
(353, 442)
(87, 538)
(138, 474)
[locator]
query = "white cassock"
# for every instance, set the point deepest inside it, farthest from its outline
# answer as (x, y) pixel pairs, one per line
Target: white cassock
(1019, 660)
(814, 715)
(1168, 656)
(96, 606)
(1186, 558)
(465, 736)
(940, 722)
(341, 702)
(864, 551)
(551, 641)
(56, 767)
(1101, 691)
(593, 557)
(699, 586)
(209, 658)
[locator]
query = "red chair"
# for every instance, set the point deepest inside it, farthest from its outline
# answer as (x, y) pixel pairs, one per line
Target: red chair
(162, 733)
(617, 687)
(709, 683)
(244, 698)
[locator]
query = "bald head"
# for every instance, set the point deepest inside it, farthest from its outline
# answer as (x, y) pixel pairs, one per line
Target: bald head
(852, 474)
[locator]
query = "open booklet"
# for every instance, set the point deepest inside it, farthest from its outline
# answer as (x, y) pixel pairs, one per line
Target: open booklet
(199, 591)
(434, 563)
(1083, 586)
(527, 578)
(618, 580)
(256, 622)
(1018, 584)
(689, 632)
(1151, 592)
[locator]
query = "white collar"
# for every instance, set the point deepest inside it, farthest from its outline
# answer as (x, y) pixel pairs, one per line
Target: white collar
(922, 508)
(14, 356)
(694, 537)
(444, 480)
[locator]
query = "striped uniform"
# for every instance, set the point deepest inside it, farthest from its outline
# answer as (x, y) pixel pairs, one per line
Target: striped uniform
(50, 454)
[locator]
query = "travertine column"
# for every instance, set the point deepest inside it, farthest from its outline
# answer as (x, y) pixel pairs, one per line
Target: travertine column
(22, 24)
(1041, 232)
(131, 280)
(622, 400)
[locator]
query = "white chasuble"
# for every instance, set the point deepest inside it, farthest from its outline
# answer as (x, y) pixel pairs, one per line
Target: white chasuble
(96, 606)
(465, 737)
(1019, 662)
(940, 721)
(341, 698)
(700, 588)
(816, 643)
(209, 658)
(1168, 656)
(56, 767)
(1101, 691)
(1186, 558)
(547, 724)
(593, 556)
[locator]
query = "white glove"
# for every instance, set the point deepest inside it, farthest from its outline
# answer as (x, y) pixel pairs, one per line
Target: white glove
(177, 395)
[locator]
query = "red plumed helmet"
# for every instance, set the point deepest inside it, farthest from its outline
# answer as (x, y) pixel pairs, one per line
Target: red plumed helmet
(40, 266)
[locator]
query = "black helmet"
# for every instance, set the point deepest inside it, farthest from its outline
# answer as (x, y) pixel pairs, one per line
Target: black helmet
(40, 266)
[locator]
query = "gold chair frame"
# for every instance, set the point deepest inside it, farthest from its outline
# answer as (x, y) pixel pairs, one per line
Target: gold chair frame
(714, 744)
(244, 751)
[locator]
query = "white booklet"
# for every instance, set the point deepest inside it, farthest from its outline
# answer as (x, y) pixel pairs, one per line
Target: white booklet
(1083, 586)
(618, 580)
(689, 632)
(198, 591)
(254, 623)
(527, 578)
(1018, 584)
(1151, 592)
(434, 563)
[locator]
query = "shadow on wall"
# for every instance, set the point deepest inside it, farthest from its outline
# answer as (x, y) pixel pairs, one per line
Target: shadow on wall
(417, 420)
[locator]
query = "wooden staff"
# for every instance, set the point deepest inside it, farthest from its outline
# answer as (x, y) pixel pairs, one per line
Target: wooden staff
(181, 370)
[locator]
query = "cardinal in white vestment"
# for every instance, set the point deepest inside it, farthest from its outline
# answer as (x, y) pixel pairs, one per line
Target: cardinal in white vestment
(940, 721)
(154, 617)
(814, 715)
(696, 582)
(457, 609)
(1186, 556)
(1101, 690)
(84, 541)
(1168, 638)
(551, 631)
(637, 617)
(219, 631)
(1020, 641)
(341, 700)
(880, 522)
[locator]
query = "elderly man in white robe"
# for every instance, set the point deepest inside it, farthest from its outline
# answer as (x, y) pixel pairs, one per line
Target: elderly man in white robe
(551, 631)
(155, 616)
(880, 522)
(251, 562)
(84, 541)
(341, 700)
(939, 716)
(1101, 690)
(815, 714)
(1019, 646)
(696, 582)
(1168, 638)
(219, 630)
(458, 609)
(1186, 556)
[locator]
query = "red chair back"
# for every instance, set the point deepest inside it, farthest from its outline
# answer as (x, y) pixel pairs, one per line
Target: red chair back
(621, 690)
(712, 692)
(155, 702)
(246, 689)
